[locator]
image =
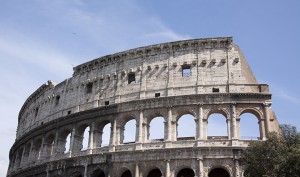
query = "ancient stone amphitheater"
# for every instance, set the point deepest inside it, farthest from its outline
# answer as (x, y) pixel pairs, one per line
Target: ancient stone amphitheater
(198, 77)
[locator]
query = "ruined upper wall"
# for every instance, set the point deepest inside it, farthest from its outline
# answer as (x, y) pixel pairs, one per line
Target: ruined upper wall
(198, 66)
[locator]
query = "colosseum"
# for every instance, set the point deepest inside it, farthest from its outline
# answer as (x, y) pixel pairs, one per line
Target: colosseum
(197, 77)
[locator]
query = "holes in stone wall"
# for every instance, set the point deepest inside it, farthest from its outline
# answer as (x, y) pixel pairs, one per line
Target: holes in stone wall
(186, 71)
(131, 78)
(186, 126)
(89, 88)
(217, 125)
(156, 128)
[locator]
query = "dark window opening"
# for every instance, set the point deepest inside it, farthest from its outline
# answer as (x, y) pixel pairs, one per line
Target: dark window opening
(215, 90)
(131, 78)
(42, 123)
(157, 95)
(186, 71)
(69, 112)
(36, 111)
(57, 100)
(89, 88)
(106, 103)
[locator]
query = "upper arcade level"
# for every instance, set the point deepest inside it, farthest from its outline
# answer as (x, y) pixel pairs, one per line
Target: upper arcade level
(189, 67)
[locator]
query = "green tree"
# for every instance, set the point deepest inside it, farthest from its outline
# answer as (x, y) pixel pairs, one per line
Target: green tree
(279, 156)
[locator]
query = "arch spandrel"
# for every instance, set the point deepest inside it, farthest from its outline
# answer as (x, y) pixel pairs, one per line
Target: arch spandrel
(209, 111)
(153, 113)
(179, 111)
(252, 110)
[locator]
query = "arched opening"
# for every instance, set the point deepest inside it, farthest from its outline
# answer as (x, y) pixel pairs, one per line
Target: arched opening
(85, 139)
(155, 173)
(27, 151)
(106, 135)
(77, 174)
(67, 143)
(19, 158)
(217, 126)
(126, 173)
(156, 129)
(102, 133)
(186, 127)
(129, 131)
(218, 172)
(37, 145)
(98, 173)
(186, 172)
(248, 127)
(49, 145)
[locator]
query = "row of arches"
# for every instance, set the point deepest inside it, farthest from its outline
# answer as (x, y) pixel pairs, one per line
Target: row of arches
(143, 127)
(156, 172)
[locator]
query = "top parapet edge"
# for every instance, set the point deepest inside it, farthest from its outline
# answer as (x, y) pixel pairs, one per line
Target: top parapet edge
(216, 42)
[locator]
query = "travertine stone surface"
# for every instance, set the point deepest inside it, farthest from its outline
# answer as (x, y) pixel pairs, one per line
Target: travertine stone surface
(197, 77)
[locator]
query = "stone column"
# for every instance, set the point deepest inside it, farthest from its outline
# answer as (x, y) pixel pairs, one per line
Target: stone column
(113, 132)
(91, 138)
(42, 150)
(22, 156)
(55, 150)
(228, 128)
(137, 171)
(199, 124)
(167, 168)
(267, 110)
(72, 139)
(169, 124)
(233, 120)
(200, 167)
(262, 129)
(140, 127)
(236, 167)
(85, 170)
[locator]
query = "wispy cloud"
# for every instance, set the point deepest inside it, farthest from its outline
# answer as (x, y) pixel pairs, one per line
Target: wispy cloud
(285, 94)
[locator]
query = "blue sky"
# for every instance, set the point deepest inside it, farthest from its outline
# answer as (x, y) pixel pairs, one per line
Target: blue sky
(42, 40)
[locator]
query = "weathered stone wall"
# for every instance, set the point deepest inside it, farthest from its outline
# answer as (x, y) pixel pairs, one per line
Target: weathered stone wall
(197, 77)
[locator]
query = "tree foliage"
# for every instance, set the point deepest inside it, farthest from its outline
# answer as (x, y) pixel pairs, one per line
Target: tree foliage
(279, 156)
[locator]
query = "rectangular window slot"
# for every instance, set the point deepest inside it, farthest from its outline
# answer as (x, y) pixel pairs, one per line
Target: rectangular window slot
(131, 78)
(57, 100)
(186, 71)
(157, 95)
(106, 103)
(69, 112)
(215, 90)
(89, 88)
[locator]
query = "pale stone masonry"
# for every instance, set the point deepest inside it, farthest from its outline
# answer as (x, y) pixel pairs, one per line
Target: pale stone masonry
(199, 77)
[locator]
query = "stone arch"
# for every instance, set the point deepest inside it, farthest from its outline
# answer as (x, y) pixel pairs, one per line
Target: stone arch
(82, 137)
(26, 155)
(36, 148)
(185, 172)
(125, 172)
(180, 111)
(49, 144)
(97, 173)
(185, 116)
(101, 132)
(219, 172)
(217, 123)
(250, 112)
(128, 120)
(18, 157)
(63, 142)
(76, 174)
(157, 119)
(154, 172)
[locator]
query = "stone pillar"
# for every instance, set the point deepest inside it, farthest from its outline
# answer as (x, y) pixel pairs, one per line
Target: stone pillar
(113, 132)
(200, 168)
(137, 171)
(199, 124)
(236, 167)
(22, 156)
(85, 170)
(140, 127)
(262, 129)
(91, 138)
(72, 139)
(169, 124)
(205, 124)
(267, 111)
(228, 128)
(42, 153)
(233, 122)
(55, 150)
(167, 168)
